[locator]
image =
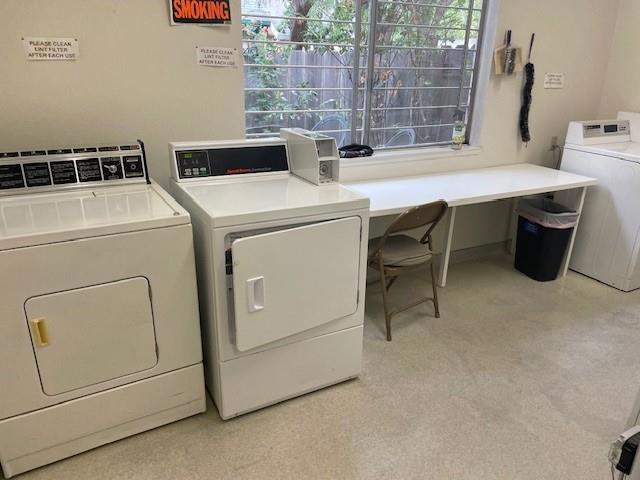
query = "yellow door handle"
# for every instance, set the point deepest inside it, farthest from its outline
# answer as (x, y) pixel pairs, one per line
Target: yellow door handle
(40, 332)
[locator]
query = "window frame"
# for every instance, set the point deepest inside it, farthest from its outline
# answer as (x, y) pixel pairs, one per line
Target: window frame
(361, 97)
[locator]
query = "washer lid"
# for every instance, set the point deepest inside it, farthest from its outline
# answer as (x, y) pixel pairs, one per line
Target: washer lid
(269, 198)
(625, 150)
(37, 219)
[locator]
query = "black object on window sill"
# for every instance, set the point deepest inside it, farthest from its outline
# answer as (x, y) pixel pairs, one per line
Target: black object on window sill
(354, 150)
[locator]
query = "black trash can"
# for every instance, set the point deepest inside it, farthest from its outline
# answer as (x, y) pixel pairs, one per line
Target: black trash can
(544, 230)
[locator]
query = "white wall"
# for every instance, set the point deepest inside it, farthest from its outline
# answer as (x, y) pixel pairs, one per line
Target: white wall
(137, 77)
(621, 90)
(573, 37)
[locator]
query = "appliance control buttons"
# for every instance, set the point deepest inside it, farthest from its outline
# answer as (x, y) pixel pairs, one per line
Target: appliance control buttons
(133, 166)
(112, 168)
(64, 167)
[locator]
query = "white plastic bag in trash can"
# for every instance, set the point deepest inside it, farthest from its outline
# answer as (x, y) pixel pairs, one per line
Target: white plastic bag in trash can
(547, 213)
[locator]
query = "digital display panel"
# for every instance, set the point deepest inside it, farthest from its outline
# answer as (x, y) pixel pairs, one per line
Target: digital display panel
(193, 163)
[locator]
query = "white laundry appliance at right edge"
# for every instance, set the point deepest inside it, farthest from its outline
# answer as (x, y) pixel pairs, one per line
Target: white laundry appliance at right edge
(624, 453)
(281, 267)
(608, 240)
(634, 420)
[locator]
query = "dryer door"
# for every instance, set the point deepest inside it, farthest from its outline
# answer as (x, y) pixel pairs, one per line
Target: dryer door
(289, 281)
(90, 335)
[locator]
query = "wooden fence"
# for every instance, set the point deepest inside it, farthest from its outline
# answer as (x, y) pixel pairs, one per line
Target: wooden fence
(313, 90)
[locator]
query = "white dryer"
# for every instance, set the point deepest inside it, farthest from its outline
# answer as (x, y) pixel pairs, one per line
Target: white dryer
(99, 332)
(608, 240)
(281, 270)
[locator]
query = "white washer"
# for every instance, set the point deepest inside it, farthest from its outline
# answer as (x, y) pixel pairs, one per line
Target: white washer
(99, 332)
(608, 240)
(281, 270)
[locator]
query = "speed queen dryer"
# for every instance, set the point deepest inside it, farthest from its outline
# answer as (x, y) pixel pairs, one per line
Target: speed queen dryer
(608, 240)
(281, 271)
(99, 333)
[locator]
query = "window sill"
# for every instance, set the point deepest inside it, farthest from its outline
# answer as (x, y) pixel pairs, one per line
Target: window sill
(410, 155)
(401, 162)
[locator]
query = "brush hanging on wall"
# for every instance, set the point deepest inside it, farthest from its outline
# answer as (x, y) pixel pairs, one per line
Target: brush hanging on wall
(529, 77)
(507, 59)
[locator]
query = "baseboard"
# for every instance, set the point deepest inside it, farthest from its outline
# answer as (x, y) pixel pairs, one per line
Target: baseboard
(477, 253)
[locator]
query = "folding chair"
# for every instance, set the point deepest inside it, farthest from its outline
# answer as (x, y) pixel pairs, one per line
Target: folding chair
(395, 254)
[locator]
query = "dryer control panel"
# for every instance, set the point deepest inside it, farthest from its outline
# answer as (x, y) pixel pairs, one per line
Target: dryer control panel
(30, 171)
(198, 160)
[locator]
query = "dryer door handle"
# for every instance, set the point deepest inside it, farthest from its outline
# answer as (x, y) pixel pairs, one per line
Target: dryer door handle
(255, 294)
(40, 332)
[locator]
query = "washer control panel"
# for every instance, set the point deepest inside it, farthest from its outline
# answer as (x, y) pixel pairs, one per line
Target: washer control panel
(599, 132)
(40, 170)
(599, 129)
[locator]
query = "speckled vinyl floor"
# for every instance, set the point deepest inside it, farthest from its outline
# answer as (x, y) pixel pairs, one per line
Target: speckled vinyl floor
(517, 380)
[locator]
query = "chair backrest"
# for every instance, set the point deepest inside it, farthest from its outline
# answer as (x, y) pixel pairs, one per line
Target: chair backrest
(427, 215)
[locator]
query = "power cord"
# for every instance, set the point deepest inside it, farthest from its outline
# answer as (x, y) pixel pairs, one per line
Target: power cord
(556, 152)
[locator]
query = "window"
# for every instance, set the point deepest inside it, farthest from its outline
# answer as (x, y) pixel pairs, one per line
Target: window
(387, 73)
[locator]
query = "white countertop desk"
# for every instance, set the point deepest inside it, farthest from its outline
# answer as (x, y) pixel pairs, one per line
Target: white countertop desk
(466, 187)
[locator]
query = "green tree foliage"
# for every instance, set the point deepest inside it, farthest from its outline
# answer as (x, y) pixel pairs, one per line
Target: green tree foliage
(399, 24)
(277, 102)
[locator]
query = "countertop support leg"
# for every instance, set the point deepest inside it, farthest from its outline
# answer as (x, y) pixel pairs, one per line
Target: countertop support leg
(513, 227)
(446, 253)
(578, 208)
